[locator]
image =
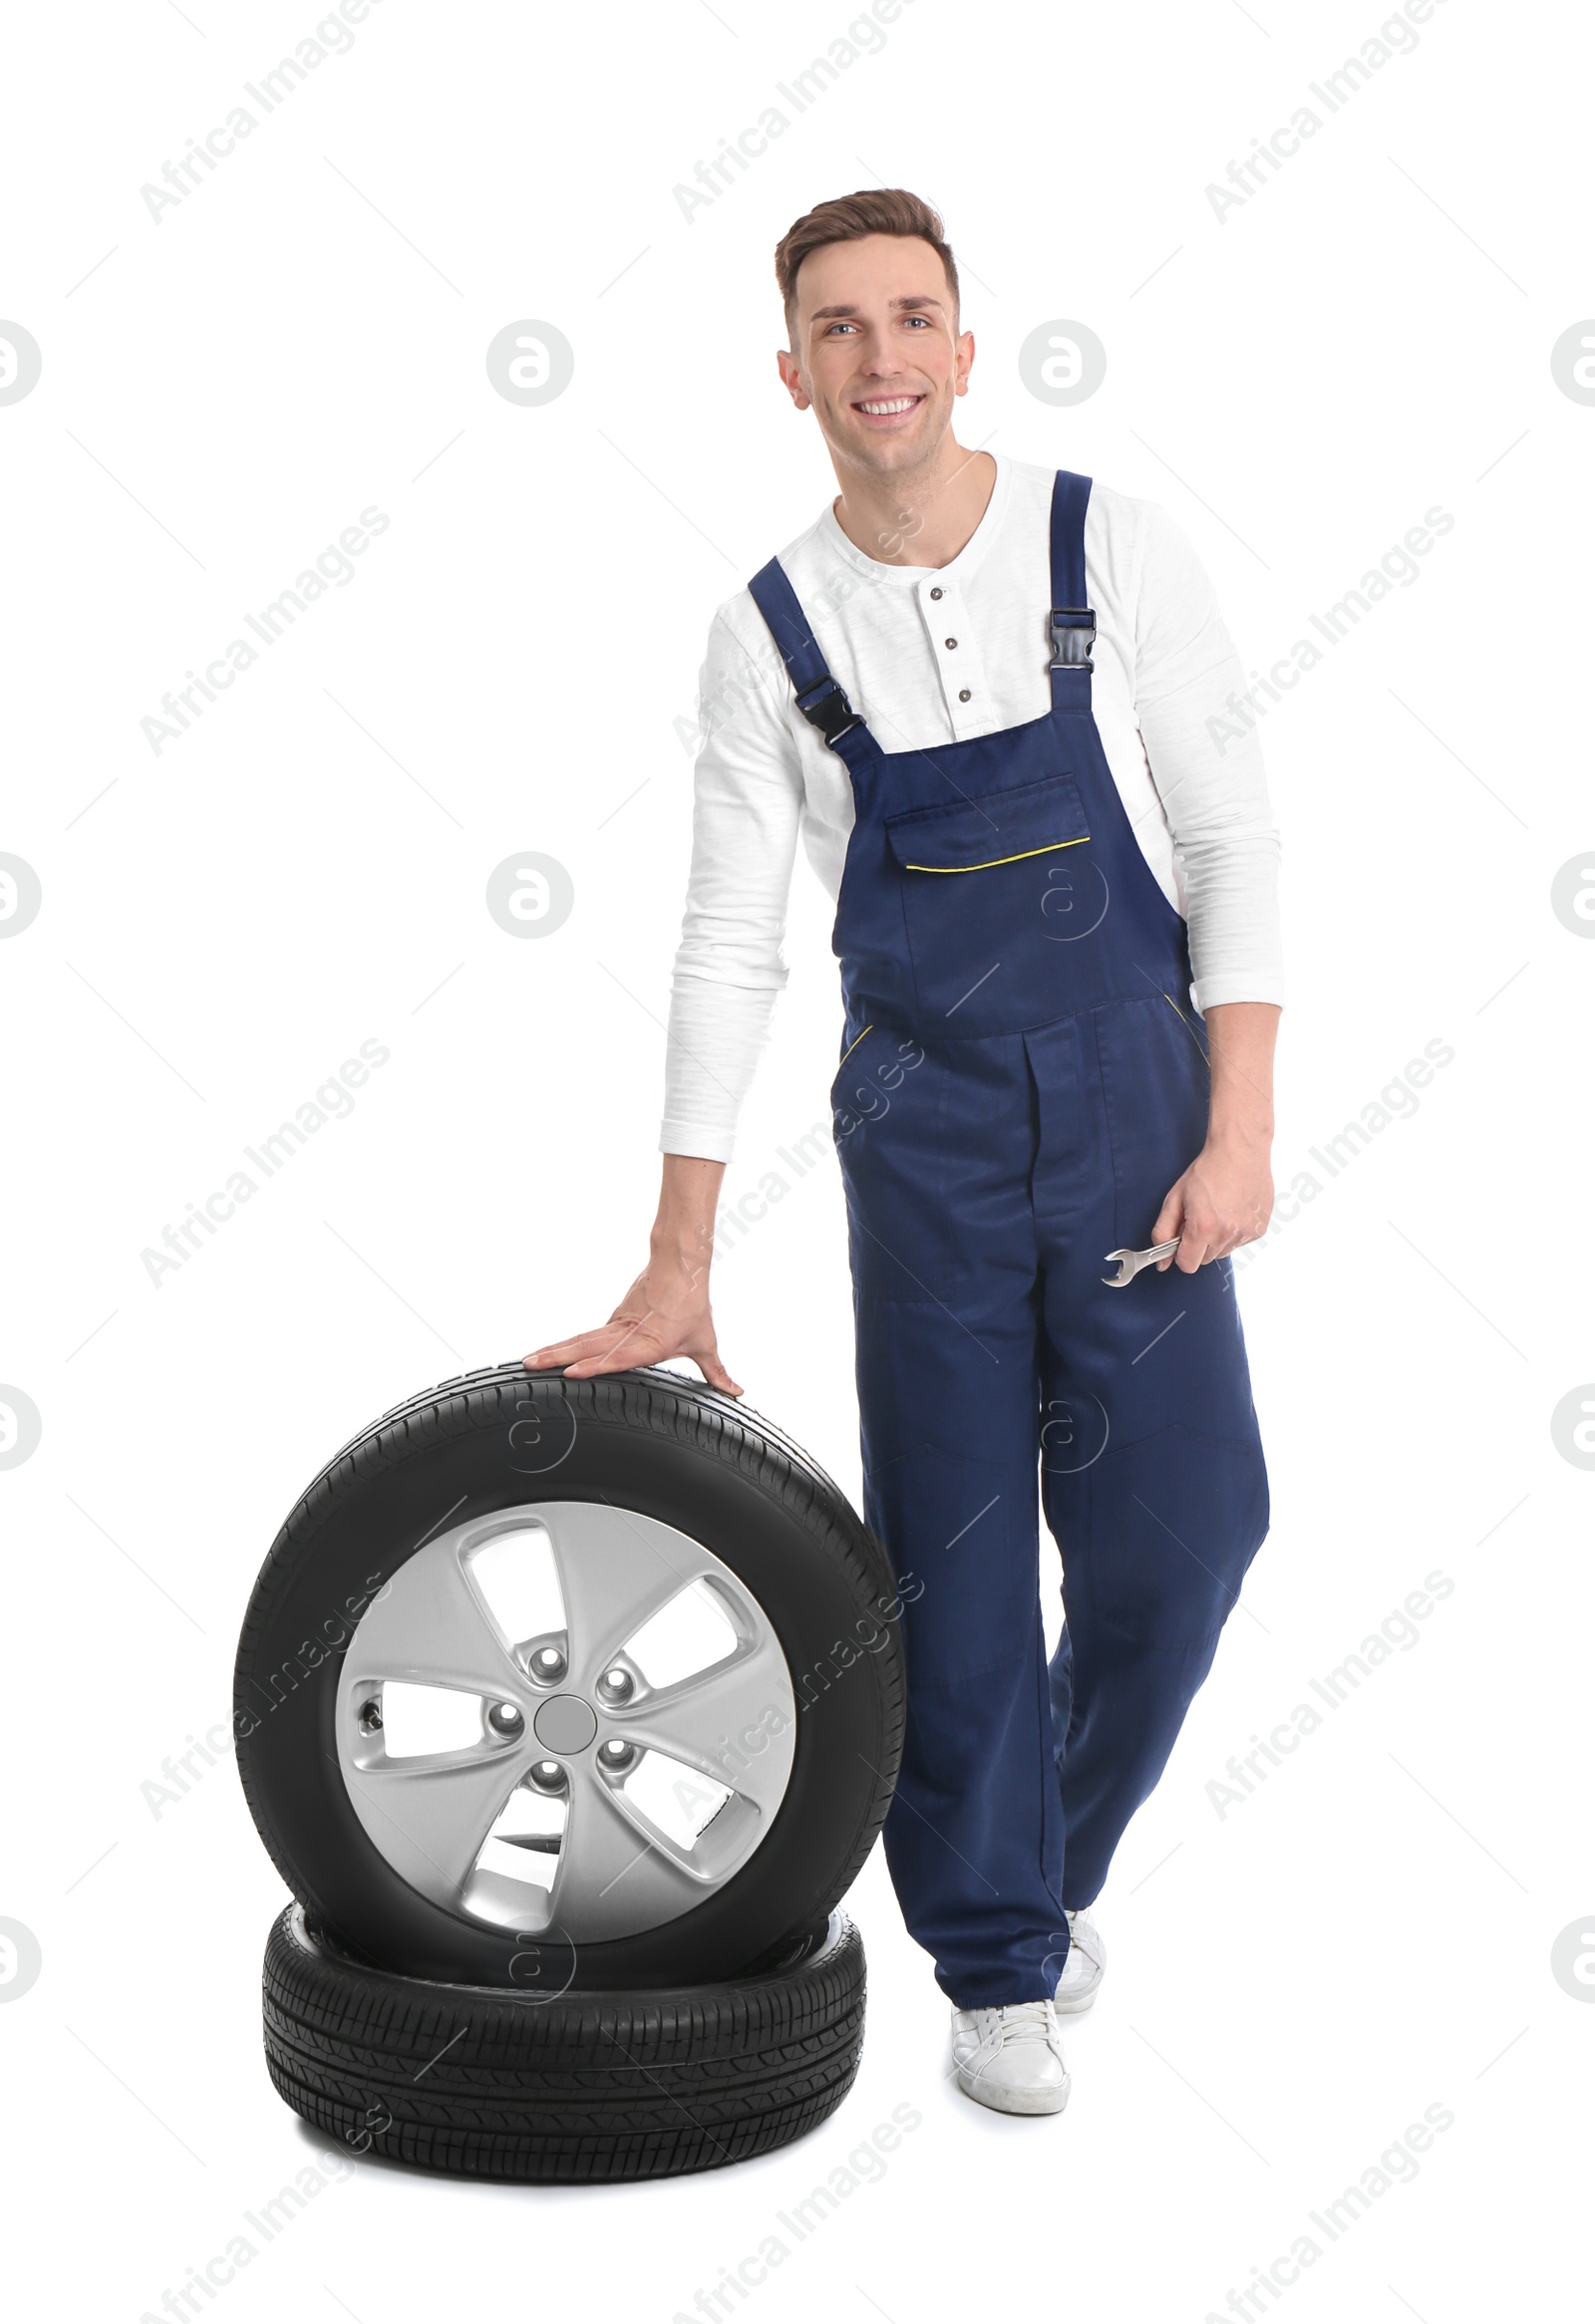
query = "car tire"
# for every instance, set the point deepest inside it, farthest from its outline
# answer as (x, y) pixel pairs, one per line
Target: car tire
(584, 2087)
(631, 1483)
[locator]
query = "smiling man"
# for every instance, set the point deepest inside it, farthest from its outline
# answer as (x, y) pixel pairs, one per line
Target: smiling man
(977, 690)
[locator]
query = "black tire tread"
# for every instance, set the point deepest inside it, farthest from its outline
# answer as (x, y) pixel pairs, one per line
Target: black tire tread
(587, 2086)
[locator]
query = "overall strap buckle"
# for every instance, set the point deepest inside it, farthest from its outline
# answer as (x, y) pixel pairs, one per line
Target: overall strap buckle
(826, 707)
(1074, 634)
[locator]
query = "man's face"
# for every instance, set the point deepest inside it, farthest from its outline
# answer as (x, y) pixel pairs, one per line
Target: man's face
(878, 353)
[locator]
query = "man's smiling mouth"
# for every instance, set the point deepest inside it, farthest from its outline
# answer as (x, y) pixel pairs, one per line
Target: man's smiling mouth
(888, 406)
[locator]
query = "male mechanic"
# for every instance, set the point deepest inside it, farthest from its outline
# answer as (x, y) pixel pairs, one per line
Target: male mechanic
(979, 691)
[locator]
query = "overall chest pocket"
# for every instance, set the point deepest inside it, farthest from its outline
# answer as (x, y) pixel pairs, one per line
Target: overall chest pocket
(976, 878)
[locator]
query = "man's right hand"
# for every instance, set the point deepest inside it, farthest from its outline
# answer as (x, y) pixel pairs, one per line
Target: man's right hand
(666, 1311)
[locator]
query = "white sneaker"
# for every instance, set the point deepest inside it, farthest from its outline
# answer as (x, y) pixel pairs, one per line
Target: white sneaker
(1083, 1970)
(1011, 2058)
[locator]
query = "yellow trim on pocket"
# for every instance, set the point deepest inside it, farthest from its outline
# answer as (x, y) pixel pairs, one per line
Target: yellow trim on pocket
(1051, 848)
(851, 1046)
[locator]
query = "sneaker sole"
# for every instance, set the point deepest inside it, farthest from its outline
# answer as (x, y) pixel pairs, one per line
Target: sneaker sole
(1079, 2006)
(1021, 2102)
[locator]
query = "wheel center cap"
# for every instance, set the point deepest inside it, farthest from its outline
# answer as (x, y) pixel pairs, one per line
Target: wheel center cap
(565, 1723)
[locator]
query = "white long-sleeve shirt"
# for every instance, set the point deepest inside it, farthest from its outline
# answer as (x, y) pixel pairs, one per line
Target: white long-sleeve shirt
(765, 776)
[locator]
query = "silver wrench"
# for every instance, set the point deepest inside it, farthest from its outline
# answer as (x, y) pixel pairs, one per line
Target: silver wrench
(1131, 1263)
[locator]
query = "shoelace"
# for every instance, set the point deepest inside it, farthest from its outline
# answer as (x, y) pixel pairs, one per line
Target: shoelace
(1018, 2021)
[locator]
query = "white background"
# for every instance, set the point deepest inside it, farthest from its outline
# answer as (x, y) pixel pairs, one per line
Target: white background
(223, 392)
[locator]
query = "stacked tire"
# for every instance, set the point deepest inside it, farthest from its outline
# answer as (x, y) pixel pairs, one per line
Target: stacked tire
(568, 1711)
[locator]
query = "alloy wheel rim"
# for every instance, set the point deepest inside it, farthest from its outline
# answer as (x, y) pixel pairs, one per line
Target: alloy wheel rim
(549, 1816)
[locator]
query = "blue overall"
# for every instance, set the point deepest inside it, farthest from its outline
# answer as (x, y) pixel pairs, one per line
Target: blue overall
(1022, 1082)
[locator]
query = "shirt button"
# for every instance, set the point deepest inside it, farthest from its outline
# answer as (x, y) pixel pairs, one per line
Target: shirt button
(950, 641)
(963, 693)
(935, 593)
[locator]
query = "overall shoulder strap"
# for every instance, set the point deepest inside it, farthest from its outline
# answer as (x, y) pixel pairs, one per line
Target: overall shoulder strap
(820, 697)
(1071, 624)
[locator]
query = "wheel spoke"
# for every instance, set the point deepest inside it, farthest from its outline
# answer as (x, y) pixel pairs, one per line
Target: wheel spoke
(431, 1816)
(720, 1721)
(614, 1871)
(616, 1567)
(431, 1630)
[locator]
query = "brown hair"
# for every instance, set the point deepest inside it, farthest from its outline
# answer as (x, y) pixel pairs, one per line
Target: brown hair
(874, 210)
